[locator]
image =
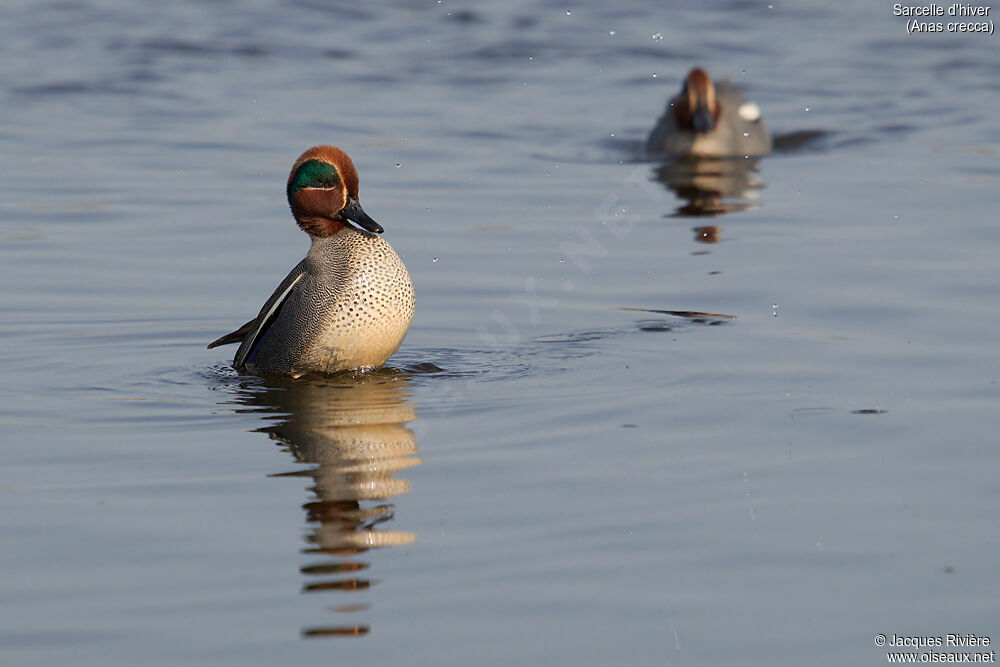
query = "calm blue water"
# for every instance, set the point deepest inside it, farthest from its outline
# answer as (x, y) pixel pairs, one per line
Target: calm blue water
(585, 480)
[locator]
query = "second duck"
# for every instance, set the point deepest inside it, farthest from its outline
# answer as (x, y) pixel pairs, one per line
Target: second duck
(709, 120)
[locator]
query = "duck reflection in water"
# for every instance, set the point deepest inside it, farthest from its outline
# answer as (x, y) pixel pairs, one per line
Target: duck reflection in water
(711, 187)
(353, 430)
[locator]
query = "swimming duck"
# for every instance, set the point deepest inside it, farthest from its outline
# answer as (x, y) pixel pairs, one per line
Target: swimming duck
(709, 119)
(349, 303)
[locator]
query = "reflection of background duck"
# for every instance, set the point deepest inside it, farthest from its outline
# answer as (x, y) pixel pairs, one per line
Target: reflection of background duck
(711, 188)
(354, 431)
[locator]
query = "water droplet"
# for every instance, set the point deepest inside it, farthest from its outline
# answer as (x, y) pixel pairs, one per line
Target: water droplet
(398, 165)
(657, 37)
(743, 71)
(612, 33)
(568, 12)
(807, 108)
(434, 261)
(612, 134)
(654, 75)
(746, 133)
(774, 310)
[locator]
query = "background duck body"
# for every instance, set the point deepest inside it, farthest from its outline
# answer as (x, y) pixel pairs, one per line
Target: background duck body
(709, 119)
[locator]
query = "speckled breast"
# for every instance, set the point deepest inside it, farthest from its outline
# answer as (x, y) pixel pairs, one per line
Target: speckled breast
(365, 302)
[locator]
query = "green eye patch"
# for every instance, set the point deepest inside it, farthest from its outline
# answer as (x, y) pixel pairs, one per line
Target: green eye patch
(313, 174)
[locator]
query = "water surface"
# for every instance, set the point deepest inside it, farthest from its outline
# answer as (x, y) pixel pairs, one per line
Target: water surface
(646, 413)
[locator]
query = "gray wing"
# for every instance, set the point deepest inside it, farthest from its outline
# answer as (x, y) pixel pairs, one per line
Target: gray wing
(259, 325)
(666, 124)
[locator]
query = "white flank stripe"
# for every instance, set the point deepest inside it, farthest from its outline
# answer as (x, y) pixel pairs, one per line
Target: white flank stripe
(749, 111)
(274, 306)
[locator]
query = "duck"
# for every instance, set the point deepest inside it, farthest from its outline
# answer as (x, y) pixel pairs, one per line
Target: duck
(348, 305)
(709, 120)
